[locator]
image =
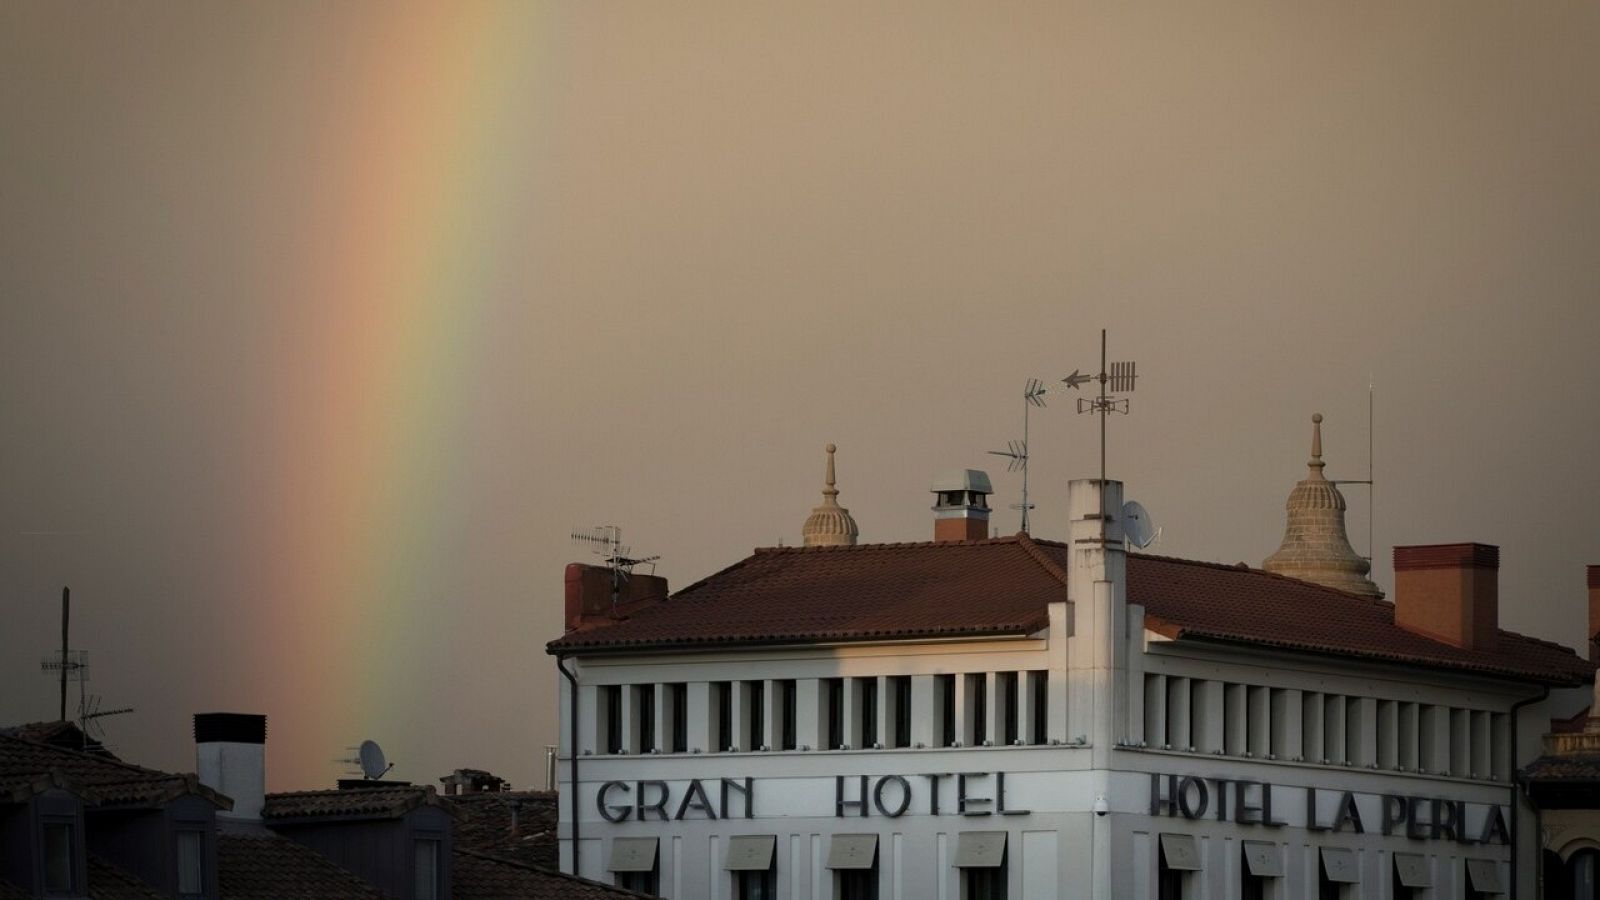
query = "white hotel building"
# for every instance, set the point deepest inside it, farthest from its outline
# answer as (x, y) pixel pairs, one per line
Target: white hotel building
(1024, 718)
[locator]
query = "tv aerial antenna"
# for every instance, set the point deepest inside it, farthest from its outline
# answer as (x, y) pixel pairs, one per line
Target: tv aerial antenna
(1017, 451)
(606, 542)
(369, 759)
(1372, 500)
(1119, 380)
(70, 665)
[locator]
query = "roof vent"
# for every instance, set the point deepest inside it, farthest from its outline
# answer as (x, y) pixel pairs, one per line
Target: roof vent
(961, 507)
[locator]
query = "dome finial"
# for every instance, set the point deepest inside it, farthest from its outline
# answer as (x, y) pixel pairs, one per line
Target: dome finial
(829, 524)
(1316, 462)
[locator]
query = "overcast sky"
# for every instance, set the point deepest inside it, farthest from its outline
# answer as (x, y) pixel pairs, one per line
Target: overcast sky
(321, 327)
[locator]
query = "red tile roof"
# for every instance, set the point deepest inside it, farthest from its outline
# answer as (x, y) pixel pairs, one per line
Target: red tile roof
(110, 782)
(1002, 587)
(364, 803)
(264, 866)
(514, 825)
(479, 876)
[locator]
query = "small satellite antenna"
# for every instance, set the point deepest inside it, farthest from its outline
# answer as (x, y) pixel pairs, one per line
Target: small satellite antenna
(373, 763)
(1017, 451)
(606, 541)
(1137, 526)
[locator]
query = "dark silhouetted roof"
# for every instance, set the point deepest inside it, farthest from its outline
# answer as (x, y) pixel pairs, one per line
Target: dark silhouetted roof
(1003, 586)
(110, 782)
(479, 876)
(1564, 767)
(107, 882)
(365, 803)
(265, 866)
(65, 735)
(513, 825)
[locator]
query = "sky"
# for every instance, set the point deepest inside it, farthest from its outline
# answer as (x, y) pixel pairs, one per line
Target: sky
(323, 326)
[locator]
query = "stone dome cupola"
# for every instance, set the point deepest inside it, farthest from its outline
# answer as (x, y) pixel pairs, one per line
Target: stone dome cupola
(1315, 546)
(830, 524)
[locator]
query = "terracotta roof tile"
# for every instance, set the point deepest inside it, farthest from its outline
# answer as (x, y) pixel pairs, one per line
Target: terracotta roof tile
(514, 825)
(384, 802)
(1003, 586)
(263, 866)
(107, 882)
(112, 782)
(479, 876)
(1564, 767)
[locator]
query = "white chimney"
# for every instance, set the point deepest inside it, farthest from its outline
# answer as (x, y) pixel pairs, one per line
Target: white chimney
(231, 759)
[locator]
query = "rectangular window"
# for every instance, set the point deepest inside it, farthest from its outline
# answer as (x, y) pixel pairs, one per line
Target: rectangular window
(983, 884)
(1169, 881)
(787, 707)
(644, 700)
(636, 864)
(60, 865)
(427, 886)
(191, 862)
(1041, 707)
(900, 687)
(755, 885)
(978, 702)
(1008, 704)
(869, 711)
(611, 717)
(945, 688)
(856, 884)
(643, 882)
(757, 729)
(680, 717)
(722, 695)
(834, 697)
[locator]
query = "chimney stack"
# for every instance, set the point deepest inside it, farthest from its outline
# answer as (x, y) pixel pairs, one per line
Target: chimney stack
(597, 595)
(1594, 612)
(231, 757)
(1449, 592)
(961, 507)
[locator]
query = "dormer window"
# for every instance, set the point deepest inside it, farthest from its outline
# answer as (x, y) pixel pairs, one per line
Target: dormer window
(427, 886)
(191, 844)
(60, 857)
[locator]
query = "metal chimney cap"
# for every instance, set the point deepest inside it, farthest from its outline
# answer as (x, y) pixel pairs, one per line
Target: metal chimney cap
(974, 480)
(237, 728)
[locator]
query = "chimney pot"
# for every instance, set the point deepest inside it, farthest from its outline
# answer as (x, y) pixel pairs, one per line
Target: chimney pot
(1449, 592)
(231, 759)
(961, 505)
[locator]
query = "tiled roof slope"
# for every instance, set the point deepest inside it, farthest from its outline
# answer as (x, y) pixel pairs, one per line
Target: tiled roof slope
(385, 802)
(513, 825)
(263, 866)
(1564, 767)
(1002, 586)
(479, 876)
(9, 891)
(112, 782)
(869, 591)
(65, 735)
(107, 882)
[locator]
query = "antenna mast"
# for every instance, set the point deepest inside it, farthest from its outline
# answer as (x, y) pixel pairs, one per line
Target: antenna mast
(1119, 380)
(1017, 451)
(1369, 482)
(606, 541)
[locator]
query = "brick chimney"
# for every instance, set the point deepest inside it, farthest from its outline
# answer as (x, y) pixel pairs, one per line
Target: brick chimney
(961, 507)
(1594, 612)
(590, 601)
(1449, 592)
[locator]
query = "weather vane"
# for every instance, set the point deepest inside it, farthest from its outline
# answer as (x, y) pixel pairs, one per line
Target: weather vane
(1119, 380)
(1017, 451)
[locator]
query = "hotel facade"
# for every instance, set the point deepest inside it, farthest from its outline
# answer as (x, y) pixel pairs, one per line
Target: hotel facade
(1015, 717)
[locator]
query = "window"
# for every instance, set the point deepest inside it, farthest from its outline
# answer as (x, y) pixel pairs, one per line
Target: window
(856, 884)
(60, 862)
(1262, 863)
(1169, 881)
(786, 709)
(900, 690)
(1041, 707)
(1179, 856)
(834, 739)
(680, 717)
(1008, 705)
(644, 699)
(643, 882)
(634, 864)
(983, 884)
(750, 860)
(1574, 878)
(722, 695)
(1338, 876)
(191, 845)
(869, 711)
(1398, 888)
(757, 728)
(945, 687)
(981, 857)
(1411, 875)
(611, 717)
(762, 885)
(427, 886)
(978, 699)
(854, 861)
(1252, 887)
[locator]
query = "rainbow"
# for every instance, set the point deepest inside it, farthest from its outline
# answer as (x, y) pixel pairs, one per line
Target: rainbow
(421, 178)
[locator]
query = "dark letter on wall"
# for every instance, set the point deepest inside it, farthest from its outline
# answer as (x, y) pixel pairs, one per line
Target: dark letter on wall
(607, 811)
(746, 790)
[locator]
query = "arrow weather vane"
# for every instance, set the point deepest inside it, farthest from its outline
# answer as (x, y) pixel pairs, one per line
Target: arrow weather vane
(1017, 451)
(1119, 380)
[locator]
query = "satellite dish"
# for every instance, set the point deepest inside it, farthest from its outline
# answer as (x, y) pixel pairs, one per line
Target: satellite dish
(373, 764)
(1137, 525)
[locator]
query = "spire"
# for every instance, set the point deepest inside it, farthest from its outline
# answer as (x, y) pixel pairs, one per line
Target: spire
(1315, 546)
(829, 524)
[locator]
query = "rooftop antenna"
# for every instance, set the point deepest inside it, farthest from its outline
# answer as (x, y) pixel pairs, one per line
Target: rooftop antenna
(1372, 501)
(1120, 380)
(89, 716)
(369, 759)
(606, 541)
(73, 665)
(1017, 451)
